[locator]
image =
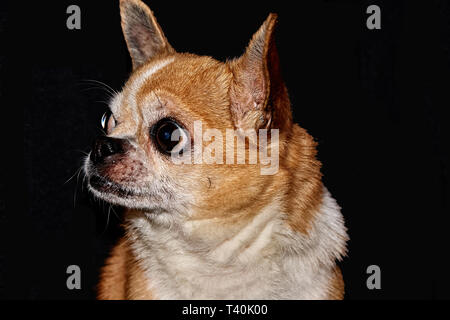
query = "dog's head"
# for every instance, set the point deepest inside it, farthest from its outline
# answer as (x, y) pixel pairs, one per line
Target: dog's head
(169, 95)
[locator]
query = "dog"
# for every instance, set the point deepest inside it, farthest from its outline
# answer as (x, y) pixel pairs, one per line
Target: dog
(211, 230)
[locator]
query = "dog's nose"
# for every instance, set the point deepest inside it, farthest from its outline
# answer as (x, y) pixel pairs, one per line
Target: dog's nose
(104, 147)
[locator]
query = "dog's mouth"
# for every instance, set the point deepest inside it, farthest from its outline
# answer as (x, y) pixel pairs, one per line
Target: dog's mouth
(105, 185)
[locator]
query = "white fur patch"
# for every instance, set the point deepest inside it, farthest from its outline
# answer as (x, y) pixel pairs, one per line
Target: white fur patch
(142, 78)
(129, 96)
(115, 102)
(137, 83)
(250, 239)
(147, 74)
(264, 259)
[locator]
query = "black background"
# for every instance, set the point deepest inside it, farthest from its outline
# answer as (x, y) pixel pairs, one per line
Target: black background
(373, 99)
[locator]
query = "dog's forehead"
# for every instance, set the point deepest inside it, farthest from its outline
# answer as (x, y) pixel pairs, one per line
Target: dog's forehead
(126, 100)
(185, 76)
(200, 82)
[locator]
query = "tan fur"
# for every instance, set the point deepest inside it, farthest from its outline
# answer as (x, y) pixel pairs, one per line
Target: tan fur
(245, 93)
(336, 290)
(113, 276)
(122, 278)
(304, 192)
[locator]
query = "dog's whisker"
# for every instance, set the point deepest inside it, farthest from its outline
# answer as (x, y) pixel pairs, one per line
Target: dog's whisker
(72, 176)
(83, 152)
(115, 213)
(109, 94)
(104, 86)
(76, 186)
(102, 101)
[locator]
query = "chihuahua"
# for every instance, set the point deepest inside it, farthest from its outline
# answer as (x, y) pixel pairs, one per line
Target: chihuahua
(212, 229)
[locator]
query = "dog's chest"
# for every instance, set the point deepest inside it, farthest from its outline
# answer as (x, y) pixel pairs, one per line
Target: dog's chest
(192, 279)
(175, 271)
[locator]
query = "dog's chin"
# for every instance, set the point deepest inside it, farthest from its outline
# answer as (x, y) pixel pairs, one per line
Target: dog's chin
(115, 193)
(154, 207)
(107, 186)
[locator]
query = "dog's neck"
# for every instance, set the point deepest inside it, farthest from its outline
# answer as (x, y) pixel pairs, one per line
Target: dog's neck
(259, 258)
(217, 241)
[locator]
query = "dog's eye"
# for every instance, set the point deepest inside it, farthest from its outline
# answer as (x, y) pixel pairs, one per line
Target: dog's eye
(108, 122)
(169, 136)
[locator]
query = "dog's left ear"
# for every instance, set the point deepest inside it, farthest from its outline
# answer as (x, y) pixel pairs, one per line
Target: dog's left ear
(143, 35)
(258, 94)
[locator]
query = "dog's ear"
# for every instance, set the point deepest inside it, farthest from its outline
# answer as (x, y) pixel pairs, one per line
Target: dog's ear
(258, 94)
(143, 35)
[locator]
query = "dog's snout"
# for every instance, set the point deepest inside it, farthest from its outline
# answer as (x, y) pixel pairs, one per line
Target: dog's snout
(104, 147)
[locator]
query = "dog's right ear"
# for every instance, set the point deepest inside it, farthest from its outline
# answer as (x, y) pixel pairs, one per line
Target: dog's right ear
(143, 35)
